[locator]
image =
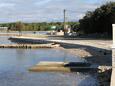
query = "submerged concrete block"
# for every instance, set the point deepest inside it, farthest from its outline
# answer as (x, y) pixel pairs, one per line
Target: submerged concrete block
(61, 67)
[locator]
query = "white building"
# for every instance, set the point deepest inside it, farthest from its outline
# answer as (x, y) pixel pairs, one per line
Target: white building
(3, 28)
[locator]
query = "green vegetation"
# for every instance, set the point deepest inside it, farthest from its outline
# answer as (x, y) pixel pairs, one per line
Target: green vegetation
(43, 26)
(28, 26)
(100, 20)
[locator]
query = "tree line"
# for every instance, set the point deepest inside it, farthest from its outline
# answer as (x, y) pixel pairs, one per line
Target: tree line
(16, 26)
(42, 26)
(100, 20)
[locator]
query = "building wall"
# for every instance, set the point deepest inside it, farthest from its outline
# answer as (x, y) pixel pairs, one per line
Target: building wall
(3, 28)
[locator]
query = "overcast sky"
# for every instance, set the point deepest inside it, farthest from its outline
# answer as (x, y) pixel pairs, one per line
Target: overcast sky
(45, 10)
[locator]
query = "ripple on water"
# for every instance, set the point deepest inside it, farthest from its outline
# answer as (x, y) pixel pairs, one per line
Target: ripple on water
(46, 79)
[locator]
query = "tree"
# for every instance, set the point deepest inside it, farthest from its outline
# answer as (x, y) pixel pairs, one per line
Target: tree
(100, 20)
(19, 26)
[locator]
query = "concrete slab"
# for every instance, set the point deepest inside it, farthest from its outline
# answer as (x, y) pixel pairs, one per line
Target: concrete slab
(60, 67)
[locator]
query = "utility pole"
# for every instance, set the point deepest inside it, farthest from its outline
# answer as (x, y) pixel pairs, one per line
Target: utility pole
(64, 26)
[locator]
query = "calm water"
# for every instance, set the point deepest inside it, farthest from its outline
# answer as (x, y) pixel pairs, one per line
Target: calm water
(14, 64)
(4, 40)
(28, 32)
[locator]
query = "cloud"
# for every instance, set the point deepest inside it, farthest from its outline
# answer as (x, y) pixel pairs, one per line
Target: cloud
(46, 10)
(42, 2)
(6, 5)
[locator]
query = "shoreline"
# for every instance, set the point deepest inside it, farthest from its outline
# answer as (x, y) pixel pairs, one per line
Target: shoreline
(94, 55)
(94, 51)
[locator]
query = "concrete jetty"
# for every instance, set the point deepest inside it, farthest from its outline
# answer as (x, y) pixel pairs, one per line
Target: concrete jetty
(103, 44)
(26, 46)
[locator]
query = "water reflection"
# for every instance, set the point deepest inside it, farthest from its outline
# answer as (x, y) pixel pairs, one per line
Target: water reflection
(4, 40)
(15, 62)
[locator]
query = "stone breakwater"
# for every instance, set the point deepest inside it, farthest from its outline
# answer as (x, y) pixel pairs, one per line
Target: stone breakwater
(30, 40)
(26, 46)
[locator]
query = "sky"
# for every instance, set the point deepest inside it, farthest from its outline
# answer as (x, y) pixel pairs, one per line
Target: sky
(46, 10)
